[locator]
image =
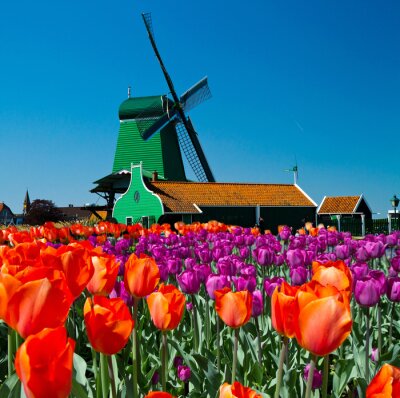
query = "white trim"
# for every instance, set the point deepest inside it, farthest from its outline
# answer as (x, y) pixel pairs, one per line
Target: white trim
(133, 166)
(308, 197)
(197, 208)
(359, 201)
(320, 205)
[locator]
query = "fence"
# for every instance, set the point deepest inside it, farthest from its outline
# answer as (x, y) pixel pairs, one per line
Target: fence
(354, 226)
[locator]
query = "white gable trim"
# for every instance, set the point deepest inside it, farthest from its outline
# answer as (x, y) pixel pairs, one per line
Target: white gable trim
(308, 197)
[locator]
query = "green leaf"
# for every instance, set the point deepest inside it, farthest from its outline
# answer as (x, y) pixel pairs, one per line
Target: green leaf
(344, 371)
(11, 388)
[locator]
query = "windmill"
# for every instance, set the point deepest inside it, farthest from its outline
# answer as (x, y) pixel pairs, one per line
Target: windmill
(175, 114)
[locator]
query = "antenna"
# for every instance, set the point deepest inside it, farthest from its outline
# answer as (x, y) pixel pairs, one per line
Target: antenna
(129, 91)
(295, 171)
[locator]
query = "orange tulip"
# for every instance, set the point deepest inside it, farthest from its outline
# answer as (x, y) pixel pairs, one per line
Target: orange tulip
(166, 307)
(158, 394)
(77, 266)
(236, 390)
(108, 324)
(333, 273)
(8, 286)
(141, 276)
(385, 384)
(105, 273)
(324, 319)
(38, 304)
(284, 309)
(44, 364)
(234, 308)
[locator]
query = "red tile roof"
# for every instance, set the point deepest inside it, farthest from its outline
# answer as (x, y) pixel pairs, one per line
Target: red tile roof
(184, 197)
(339, 204)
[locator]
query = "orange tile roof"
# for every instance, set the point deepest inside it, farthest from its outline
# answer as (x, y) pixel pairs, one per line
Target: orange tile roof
(339, 205)
(181, 197)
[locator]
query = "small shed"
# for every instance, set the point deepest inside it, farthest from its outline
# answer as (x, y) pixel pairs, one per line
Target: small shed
(346, 207)
(6, 215)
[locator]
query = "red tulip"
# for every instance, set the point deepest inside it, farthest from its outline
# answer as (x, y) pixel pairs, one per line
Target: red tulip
(166, 307)
(44, 364)
(108, 324)
(141, 276)
(236, 390)
(234, 308)
(386, 383)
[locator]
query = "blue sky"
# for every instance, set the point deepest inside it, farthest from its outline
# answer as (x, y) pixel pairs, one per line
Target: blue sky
(314, 81)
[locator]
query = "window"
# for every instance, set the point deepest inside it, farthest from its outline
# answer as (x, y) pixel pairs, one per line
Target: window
(128, 220)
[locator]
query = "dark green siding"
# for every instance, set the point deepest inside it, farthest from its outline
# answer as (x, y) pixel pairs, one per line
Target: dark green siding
(243, 216)
(172, 157)
(131, 148)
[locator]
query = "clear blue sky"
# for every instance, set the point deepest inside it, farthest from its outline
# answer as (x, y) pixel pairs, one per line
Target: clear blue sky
(318, 81)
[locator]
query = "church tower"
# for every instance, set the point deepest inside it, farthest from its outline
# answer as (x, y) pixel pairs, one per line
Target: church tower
(27, 204)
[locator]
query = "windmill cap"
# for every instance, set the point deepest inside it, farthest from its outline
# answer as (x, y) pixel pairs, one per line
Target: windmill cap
(144, 107)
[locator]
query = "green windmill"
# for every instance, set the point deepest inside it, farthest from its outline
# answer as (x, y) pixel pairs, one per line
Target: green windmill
(155, 131)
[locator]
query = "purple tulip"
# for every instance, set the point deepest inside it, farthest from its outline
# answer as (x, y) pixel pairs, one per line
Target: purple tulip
(155, 378)
(271, 283)
(279, 260)
(362, 254)
(174, 265)
(245, 283)
(296, 257)
(392, 272)
(244, 252)
(202, 271)
(249, 240)
(184, 373)
(204, 255)
(189, 282)
(367, 291)
(380, 277)
(178, 361)
(248, 270)
(391, 240)
(285, 233)
(162, 267)
(375, 249)
(396, 263)
(342, 251)
(264, 255)
(120, 291)
(317, 377)
(359, 270)
(226, 266)
(298, 275)
(189, 306)
(374, 354)
(190, 263)
(258, 304)
(215, 282)
(393, 289)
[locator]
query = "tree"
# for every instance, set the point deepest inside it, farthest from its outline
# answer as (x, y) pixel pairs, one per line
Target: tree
(42, 210)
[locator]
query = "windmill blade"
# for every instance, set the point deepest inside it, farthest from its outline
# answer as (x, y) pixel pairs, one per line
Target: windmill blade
(149, 27)
(196, 94)
(193, 151)
(148, 130)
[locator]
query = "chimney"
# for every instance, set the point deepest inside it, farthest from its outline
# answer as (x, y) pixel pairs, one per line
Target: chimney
(70, 205)
(154, 176)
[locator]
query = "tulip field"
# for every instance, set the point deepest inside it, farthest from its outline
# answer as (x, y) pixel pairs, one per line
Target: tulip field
(199, 310)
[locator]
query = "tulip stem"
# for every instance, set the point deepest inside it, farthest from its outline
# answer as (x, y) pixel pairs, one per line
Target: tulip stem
(379, 332)
(195, 328)
(164, 370)
(325, 377)
(258, 341)
(105, 383)
(134, 349)
(367, 336)
(11, 344)
(96, 373)
(112, 377)
(208, 326)
(235, 351)
(218, 345)
(279, 374)
(391, 325)
(310, 376)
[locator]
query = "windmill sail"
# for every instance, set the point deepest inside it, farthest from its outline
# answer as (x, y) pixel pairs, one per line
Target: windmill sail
(191, 147)
(187, 136)
(196, 94)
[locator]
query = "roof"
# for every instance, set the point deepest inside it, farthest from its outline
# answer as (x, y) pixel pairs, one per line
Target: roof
(74, 212)
(187, 197)
(144, 107)
(3, 206)
(339, 204)
(118, 181)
